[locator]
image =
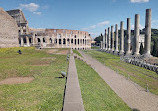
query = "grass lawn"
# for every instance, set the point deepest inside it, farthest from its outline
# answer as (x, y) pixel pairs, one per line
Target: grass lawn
(76, 52)
(45, 92)
(96, 94)
(137, 74)
(95, 47)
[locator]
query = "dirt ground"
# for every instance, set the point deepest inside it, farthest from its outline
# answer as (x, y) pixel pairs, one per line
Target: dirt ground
(16, 80)
(152, 60)
(57, 51)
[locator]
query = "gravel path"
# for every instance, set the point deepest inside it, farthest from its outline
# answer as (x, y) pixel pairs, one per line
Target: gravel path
(73, 99)
(132, 94)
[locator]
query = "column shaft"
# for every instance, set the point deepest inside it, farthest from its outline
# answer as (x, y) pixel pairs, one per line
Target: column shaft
(121, 38)
(109, 39)
(147, 33)
(112, 38)
(106, 39)
(116, 38)
(136, 36)
(128, 41)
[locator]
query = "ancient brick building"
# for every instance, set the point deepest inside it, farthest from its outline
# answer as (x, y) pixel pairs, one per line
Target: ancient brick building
(60, 38)
(8, 30)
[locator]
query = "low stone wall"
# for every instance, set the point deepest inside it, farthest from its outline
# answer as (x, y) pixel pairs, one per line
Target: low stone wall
(138, 61)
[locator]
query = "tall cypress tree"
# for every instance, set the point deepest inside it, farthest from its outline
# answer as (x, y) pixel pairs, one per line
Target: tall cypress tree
(155, 48)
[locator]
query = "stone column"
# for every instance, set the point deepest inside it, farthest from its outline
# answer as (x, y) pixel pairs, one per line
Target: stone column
(101, 44)
(128, 42)
(147, 33)
(27, 41)
(109, 39)
(121, 39)
(116, 39)
(135, 48)
(106, 39)
(22, 41)
(112, 38)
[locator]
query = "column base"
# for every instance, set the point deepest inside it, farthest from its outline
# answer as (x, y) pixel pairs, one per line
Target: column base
(115, 52)
(121, 53)
(147, 55)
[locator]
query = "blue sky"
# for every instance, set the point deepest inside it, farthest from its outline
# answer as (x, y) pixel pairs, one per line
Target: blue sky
(88, 15)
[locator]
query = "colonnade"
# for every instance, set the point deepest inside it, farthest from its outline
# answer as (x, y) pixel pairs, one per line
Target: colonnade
(111, 45)
(51, 42)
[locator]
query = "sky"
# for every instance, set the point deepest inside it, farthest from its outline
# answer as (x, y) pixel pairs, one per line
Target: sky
(93, 16)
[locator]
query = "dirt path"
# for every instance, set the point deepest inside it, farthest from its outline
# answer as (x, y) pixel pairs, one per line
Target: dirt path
(132, 94)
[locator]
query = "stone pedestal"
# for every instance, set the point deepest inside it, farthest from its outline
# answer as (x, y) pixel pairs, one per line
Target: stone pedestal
(147, 33)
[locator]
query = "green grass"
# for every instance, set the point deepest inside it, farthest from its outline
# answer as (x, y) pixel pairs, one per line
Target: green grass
(137, 74)
(96, 94)
(76, 52)
(95, 47)
(45, 92)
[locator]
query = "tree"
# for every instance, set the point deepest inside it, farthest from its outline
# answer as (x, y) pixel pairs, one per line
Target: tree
(155, 48)
(141, 49)
(99, 38)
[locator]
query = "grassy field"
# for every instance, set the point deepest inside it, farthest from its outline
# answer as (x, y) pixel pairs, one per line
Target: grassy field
(45, 92)
(137, 74)
(76, 52)
(96, 94)
(95, 47)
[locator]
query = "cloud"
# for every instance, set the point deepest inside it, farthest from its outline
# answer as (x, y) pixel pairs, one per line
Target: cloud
(94, 34)
(103, 23)
(139, 1)
(154, 24)
(97, 25)
(37, 13)
(140, 27)
(32, 7)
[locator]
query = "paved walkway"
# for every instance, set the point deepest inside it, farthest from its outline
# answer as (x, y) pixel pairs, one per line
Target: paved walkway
(73, 99)
(132, 94)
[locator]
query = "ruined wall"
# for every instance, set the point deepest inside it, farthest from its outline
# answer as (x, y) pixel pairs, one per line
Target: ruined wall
(8, 30)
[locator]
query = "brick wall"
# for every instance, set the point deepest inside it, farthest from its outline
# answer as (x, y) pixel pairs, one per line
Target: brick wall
(8, 30)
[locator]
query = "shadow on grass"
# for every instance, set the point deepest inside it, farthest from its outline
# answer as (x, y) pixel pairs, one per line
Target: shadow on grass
(59, 77)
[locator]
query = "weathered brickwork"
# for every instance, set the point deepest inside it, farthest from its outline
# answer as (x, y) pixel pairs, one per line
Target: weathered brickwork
(8, 30)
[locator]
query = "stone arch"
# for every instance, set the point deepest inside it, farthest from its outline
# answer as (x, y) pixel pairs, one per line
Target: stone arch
(38, 40)
(64, 41)
(24, 39)
(68, 40)
(30, 40)
(78, 41)
(71, 40)
(75, 41)
(50, 40)
(44, 41)
(56, 40)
